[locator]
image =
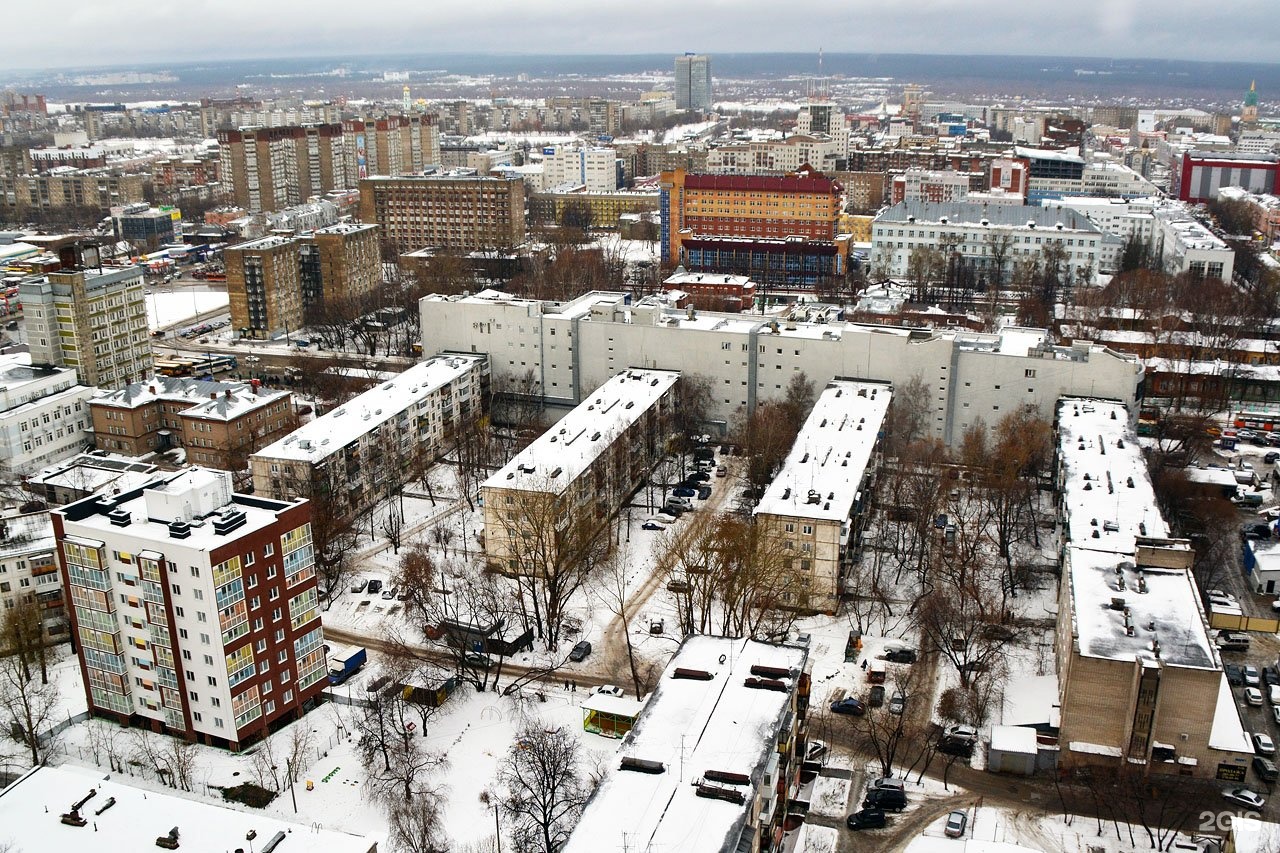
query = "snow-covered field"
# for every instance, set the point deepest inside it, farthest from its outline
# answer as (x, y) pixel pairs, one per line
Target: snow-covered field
(165, 309)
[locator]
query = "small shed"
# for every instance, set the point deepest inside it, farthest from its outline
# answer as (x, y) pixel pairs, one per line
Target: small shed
(1013, 750)
(611, 716)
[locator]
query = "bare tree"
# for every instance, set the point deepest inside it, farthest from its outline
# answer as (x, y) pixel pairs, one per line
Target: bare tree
(22, 634)
(540, 787)
(398, 763)
(613, 592)
(417, 825)
(28, 707)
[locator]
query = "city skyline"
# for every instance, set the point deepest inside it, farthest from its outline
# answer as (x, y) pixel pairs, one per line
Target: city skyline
(103, 35)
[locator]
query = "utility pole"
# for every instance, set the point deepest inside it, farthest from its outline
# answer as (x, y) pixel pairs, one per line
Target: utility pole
(497, 828)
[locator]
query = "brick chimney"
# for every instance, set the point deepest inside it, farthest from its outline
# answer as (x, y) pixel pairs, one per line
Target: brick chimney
(213, 395)
(228, 394)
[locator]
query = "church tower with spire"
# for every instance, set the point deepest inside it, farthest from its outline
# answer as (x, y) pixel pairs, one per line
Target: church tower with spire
(1249, 111)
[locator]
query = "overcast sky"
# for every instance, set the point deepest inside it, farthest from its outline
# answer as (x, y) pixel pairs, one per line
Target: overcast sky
(122, 32)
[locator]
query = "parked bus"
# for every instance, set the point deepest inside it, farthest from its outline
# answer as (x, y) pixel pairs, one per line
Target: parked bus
(174, 367)
(1257, 421)
(211, 364)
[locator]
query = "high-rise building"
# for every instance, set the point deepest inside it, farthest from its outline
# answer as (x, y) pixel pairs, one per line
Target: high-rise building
(463, 212)
(92, 319)
(597, 169)
(272, 281)
(394, 145)
(264, 286)
(693, 82)
(194, 609)
(268, 168)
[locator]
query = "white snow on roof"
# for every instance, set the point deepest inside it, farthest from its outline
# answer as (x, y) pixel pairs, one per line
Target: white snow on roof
(1095, 749)
(1030, 700)
(1251, 835)
(1228, 732)
(1014, 739)
(329, 433)
(619, 706)
(692, 727)
(1211, 477)
(30, 811)
(562, 453)
(1107, 497)
(823, 473)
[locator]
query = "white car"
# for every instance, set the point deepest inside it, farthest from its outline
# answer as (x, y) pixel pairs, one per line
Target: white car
(1275, 712)
(1251, 677)
(1263, 744)
(611, 690)
(1244, 797)
(1253, 696)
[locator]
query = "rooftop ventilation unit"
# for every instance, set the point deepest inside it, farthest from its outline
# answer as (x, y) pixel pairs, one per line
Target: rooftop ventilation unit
(119, 517)
(229, 521)
(715, 792)
(686, 674)
(726, 778)
(770, 671)
(765, 684)
(170, 841)
(179, 529)
(642, 765)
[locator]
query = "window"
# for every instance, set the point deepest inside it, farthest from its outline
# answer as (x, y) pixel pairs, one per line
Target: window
(283, 657)
(268, 687)
(213, 682)
(196, 715)
(255, 603)
(257, 624)
(284, 676)
(263, 666)
(201, 617)
(177, 590)
(808, 528)
(195, 697)
(280, 636)
(215, 702)
(277, 614)
(269, 549)
(204, 638)
(262, 646)
(198, 593)
(191, 676)
(186, 654)
(195, 571)
(217, 722)
(182, 632)
(1030, 373)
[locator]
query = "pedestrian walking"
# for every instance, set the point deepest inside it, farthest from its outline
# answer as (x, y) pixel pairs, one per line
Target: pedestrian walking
(864, 664)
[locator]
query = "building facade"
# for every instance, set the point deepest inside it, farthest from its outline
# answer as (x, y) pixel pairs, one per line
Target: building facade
(580, 471)
(815, 504)
(359, 452)
(195, 609)
(693, 82)
(270, 168)
(463, 212)
(572, 348)
(264, 286)
(44, 414)
(597, 169)
(29, 571)
(92, 319)
(220, 424)
(1202, 173)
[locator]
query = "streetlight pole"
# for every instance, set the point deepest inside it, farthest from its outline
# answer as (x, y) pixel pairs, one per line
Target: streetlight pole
(289, 769)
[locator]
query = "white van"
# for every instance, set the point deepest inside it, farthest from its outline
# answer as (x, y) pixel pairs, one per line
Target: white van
(1273, 694)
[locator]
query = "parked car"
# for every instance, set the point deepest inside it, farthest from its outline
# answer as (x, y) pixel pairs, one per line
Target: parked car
(580, 651)
(704, 492)
(955, 747)
(699, 476)
(956, 823)
(611, 690)
(962, 734)
(1255, 530)
(359, 585)
(1244, 797)
(849, 705)
(884, 783)
(684, 492)
(1234, 676)
(897, 704)
(876, 697)
(1270, 675)
(1253, 696)
(1275, 713)
(1265, 769)
(814, 750)
(652, 525)
(1270, 456)
(389, 593)
(477, 660)
(1251, 677)
(900, 654)
(1219, 593)
(1246, 435)
(887, 799)
(1263, 744)
(682, 502)
(722, 471)
(866, 819)
(375, 586)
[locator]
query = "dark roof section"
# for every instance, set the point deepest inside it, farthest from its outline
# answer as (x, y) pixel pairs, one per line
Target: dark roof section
(814, 183)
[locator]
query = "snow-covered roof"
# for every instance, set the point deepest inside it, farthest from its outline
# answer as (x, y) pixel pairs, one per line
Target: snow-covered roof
(619, 706)
(31, 807)
(1251, 835)
(329, 433)
(560, 455)
(1031, 700)
(823, 473)
(89, 472)
(212, 399)
(26, 534)
(1106, 491)
(692, 727)
(1211, 477)
(1018, 739)
(1228, 732)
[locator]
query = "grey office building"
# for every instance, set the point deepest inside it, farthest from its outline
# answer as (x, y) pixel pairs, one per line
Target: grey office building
(693, 82)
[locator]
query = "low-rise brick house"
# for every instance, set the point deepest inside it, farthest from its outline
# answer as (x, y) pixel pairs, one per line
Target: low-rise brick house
(219, 423)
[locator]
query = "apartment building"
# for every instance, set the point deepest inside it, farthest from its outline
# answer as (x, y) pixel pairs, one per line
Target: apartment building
(775, 156)
(220, 424)
(269, 168)
(572, 348)
(194, 609)
(597, 169)
(930, 186)
(1140, 679)
(584, 467)
(264, 286)
(974, 231)
(359, 452)
(806, 204)
(816, 502)
(81, 476)
(91, 319)
(339, 262)
(44, 414)
(391, 145)
(693, 82)
(68, 187)
(29, 570)
(708, 292)
(599, 210)
(713, 761)
(145, 227)
(463, 212)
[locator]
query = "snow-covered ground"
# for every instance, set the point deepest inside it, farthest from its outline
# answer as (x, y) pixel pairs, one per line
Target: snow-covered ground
(165, 308)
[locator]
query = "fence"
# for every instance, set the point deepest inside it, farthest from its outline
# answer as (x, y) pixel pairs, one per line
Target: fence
(1240, 622)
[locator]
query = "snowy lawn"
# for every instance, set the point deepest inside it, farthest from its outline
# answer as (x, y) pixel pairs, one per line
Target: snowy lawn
(165, 309)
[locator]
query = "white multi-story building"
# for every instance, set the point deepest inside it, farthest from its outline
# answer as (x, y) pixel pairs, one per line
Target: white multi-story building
(375, 438)
(598, 168)
(570, 349)
(1182, 242)
(194, 609)
(588, 463)
(44, 414)
(927, 185)
(815, 503)
(1111, 178)
(973, 230)
(29, 570)
(774, 156)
